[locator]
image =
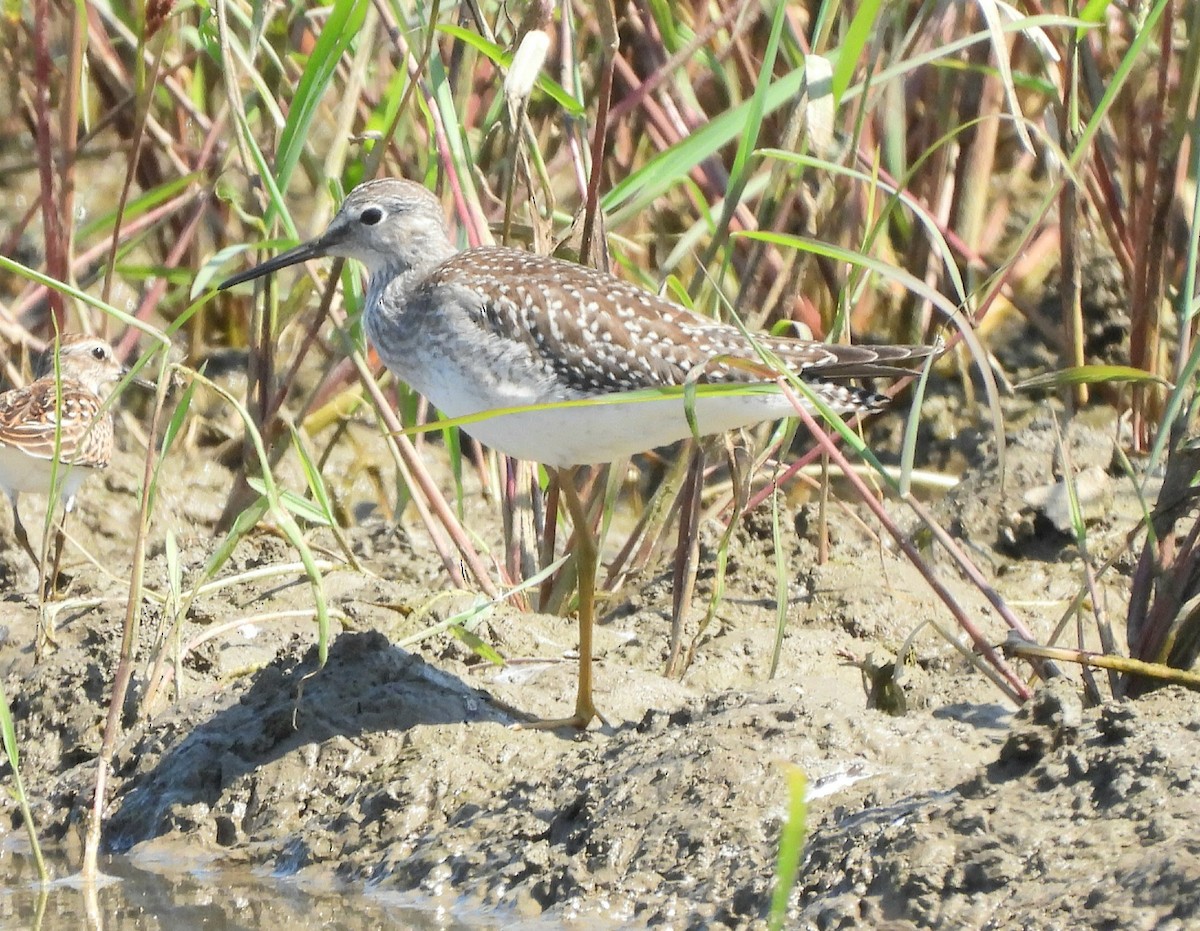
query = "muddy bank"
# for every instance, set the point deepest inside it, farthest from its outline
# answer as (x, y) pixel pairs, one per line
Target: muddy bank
(399, 770)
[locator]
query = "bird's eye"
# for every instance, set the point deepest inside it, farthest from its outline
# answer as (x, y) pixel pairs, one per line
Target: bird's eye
(371, 216)
(98, 353)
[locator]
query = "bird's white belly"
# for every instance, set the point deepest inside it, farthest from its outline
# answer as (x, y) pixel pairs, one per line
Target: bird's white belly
(581, 435)
(21, 473)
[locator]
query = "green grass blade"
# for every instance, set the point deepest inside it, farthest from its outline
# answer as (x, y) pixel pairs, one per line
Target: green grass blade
(907, 280)
(8, 733)
(102, 225)
(345, 19)
(661, 173)
(293, 503)
(924, 217)
(178, 416)
(316, 580)
(1187, 307)
(314, 480)
(908, 449)
(246, 521)
(791, 846)
(849, 57)
(758, 102)
(476, 644)
(1092, 375)
(1000, 54)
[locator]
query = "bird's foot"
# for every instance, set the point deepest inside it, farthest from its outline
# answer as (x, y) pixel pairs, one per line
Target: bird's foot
(57, 587)
(44, 638)
(580, 720)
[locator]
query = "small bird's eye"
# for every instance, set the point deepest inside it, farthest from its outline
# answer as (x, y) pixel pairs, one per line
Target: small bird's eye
(98, 353)
(371, 216)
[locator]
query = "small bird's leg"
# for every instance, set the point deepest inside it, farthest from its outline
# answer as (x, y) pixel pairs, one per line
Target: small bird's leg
(19, 532)
(586, 556)
(687, 557)
(52, 581)
(741, 472)
(49, 585)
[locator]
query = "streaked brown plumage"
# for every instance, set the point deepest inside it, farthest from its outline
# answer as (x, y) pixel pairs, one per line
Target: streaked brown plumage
(65, 411)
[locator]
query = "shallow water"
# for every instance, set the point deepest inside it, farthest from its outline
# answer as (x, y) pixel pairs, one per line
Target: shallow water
(174, 896)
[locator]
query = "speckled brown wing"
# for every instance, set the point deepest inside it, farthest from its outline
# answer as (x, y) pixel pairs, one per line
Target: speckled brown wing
(28, 419)
(598, 333)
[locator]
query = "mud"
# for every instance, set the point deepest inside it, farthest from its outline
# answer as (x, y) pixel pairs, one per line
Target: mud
(399, 770)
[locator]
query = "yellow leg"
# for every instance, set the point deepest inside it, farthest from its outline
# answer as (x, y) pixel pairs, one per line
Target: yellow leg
(586, 557)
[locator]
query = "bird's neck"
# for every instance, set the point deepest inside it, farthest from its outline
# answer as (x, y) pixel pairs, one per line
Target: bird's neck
(418, 258)
(397, 271)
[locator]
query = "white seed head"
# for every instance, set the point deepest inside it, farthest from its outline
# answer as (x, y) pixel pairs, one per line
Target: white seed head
(526, 65)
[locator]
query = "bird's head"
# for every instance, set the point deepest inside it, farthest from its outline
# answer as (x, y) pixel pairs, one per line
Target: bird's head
(390, 225)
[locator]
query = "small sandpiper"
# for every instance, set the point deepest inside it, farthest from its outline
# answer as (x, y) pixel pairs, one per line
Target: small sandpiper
(60, 413)
(494, 328)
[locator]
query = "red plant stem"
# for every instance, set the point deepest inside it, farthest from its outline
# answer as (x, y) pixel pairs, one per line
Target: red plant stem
(1172, 584)
(158, 289)
(549, 535)
(687, 553)
(1148, 262)
(510, 471)
(429, 501)
(608, 26)
(416, 68)
(68, 129)
(566, 45)
(86, 259)
(638, 94)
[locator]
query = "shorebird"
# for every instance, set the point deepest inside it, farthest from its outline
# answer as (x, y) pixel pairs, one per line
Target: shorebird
(495, 328)
(58, 417)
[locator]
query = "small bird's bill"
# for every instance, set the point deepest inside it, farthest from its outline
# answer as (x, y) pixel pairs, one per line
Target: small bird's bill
(302, 253)
(141, 382)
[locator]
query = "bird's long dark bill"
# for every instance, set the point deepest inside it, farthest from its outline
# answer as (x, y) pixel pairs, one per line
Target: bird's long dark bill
(302, 253)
